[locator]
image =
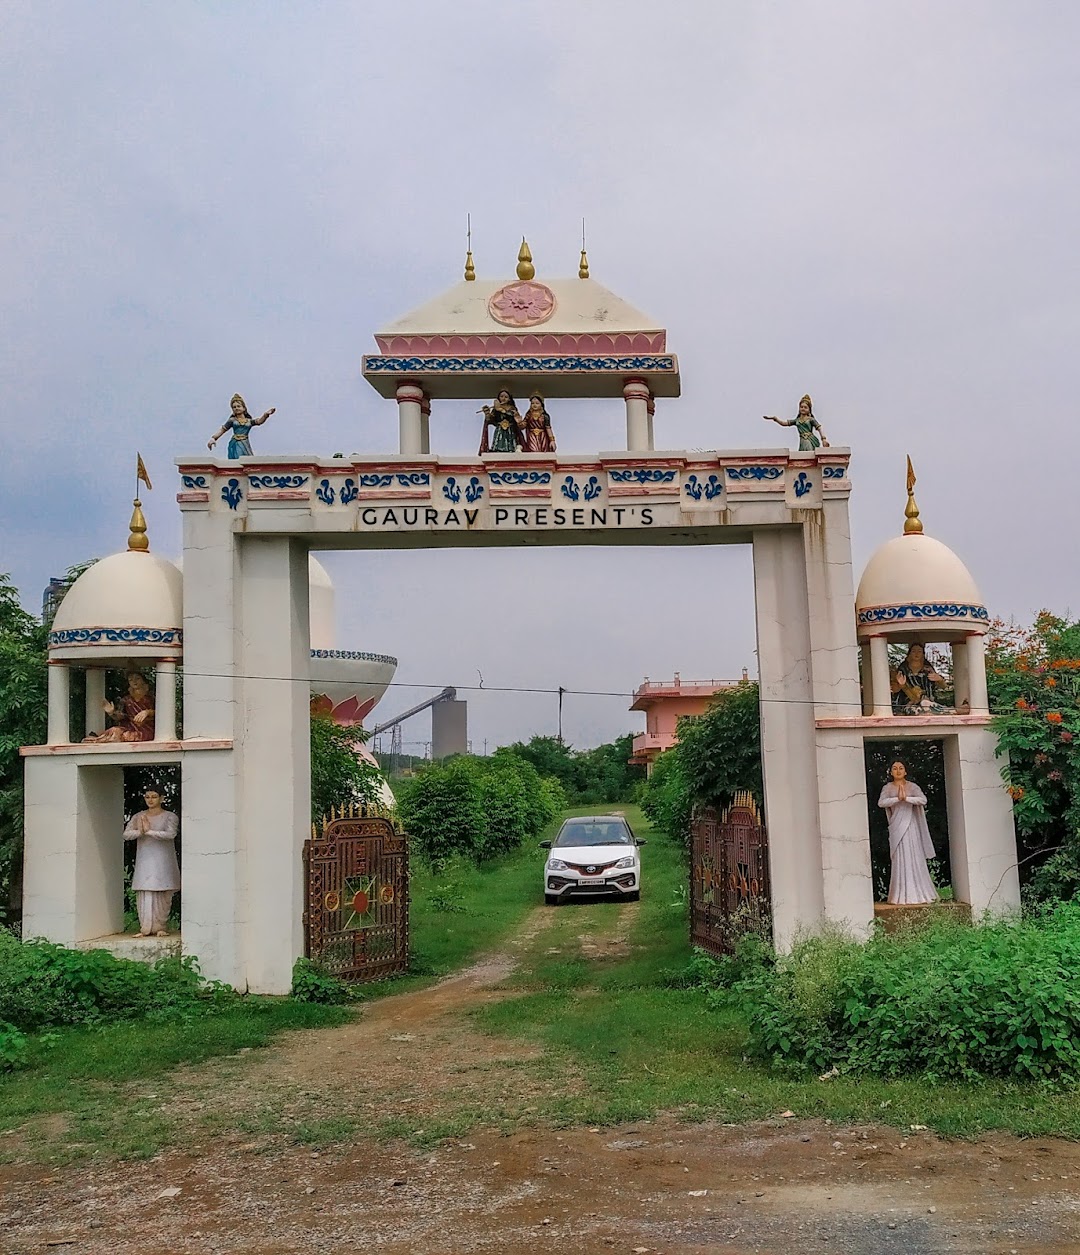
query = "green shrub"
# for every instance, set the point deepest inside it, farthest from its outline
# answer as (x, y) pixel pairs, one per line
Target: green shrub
(13, 1051)
(665, 797)
(477, 808)
(42, 985)
(310, 983)
(999, 999)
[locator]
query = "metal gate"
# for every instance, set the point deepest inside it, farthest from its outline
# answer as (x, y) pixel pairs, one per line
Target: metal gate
(729, 875)
(356, 896)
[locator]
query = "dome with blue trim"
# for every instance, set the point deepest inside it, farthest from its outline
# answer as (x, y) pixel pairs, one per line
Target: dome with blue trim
(914, 586)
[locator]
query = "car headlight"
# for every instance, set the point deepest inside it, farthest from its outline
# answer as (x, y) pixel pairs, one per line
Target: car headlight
(626, 862)
(556, 865)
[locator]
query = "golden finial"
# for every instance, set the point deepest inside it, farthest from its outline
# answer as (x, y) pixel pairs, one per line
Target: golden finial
(583, 268)
(525, 267)
(470, 269)
(137, 540)
(912, 523)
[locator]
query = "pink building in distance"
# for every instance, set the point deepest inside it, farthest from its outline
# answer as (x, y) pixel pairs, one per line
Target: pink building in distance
(664, 703)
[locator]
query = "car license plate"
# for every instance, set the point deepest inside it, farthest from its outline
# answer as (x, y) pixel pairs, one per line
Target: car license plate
(592, 880)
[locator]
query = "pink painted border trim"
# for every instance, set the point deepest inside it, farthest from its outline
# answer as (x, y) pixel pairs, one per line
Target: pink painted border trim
(509, 344)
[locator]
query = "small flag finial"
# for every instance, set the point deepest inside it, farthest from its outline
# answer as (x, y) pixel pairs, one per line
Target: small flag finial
(525, 267)
(583, 267)
(912, 523)
(470, 269)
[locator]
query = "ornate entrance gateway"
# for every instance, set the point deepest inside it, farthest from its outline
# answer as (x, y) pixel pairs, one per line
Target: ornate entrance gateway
(356, 897)
(729, 875)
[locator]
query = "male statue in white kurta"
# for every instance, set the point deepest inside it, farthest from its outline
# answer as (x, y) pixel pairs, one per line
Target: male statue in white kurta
(157, 873)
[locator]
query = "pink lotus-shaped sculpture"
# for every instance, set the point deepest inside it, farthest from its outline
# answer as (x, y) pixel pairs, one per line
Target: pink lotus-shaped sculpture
(522, 304)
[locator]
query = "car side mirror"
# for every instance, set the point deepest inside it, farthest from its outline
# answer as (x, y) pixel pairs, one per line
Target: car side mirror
(545, 845)
(642, 840)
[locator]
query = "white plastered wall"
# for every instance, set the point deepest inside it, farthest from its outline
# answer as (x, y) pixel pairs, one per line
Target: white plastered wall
(982, 836)
(73, 874)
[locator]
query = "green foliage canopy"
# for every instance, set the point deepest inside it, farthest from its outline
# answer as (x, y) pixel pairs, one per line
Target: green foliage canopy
(338, 775)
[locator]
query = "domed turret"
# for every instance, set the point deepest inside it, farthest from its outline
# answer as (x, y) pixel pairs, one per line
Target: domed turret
(127, 606)
(914, 582)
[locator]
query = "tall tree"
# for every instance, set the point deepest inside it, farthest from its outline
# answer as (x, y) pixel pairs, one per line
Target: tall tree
(23, 718)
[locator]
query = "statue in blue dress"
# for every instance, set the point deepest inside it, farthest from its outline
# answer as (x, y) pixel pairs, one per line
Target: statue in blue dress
(240, 424)
(805, 424)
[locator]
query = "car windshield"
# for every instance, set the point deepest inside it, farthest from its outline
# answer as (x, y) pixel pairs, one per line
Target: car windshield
(593, 832)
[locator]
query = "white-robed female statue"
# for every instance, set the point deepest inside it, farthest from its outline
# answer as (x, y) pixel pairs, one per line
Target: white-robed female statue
(157, 873)
(909, 840)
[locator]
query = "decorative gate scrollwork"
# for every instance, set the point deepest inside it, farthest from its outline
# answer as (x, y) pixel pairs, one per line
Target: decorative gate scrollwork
(729, 875)
(356, 896)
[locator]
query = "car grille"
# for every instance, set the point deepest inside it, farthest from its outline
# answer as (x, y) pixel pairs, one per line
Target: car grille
(592, 869)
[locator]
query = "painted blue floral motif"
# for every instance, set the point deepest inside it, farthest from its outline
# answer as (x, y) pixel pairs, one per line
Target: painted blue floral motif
(500, 478)
(378, 365)
(926, 610)
(754, 472)
(116, 636)
(569, 489)
(833, 472)
(642, 475)
(349, 491)
(451, 491)
(194, 481)
(277, 481)
(710, 489)
(802, 484)
(325, 492)
(593, 488)
(353, 655)
(376, 481)
(231, 493)
(474, 490)
(413, 479)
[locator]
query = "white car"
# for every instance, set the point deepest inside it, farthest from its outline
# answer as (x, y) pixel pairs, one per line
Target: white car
(592, 854)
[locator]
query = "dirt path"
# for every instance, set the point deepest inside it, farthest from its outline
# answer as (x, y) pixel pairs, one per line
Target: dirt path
(659, 1186)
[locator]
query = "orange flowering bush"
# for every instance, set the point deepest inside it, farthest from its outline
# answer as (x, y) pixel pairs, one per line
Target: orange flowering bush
(1033, 675)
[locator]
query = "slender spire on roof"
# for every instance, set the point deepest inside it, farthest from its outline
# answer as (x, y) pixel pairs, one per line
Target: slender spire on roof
(470, 269)
(525, 267)
(912, 523)
(583, 268)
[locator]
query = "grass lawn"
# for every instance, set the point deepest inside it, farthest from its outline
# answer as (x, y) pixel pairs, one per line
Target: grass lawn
(639, 1046)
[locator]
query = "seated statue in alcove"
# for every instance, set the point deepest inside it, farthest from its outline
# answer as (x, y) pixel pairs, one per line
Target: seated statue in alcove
(132, 718)
(910, 844)
(914, 685)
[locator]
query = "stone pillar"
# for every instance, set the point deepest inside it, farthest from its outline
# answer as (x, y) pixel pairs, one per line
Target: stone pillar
(425, 425)
(982, 839)
(976, 665)
(789, 762)
(73, 868)
(652, 414)
(59, 725)
(637, 395)
(410, 396)
(960, 675)
(866, 680)
(213, 904)
(165, 701)
(95, 699)
(840, 770)
(273, 755)
(879, 675)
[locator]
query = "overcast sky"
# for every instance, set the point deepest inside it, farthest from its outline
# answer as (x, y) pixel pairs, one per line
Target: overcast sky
(874, 202)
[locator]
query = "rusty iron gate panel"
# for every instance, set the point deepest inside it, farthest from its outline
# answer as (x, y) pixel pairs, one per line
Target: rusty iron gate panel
(356, 896)
(729, 875)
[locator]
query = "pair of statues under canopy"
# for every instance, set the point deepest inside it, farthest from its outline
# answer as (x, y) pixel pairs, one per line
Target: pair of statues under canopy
(805, 424)
(132, 717)
(506, 430)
